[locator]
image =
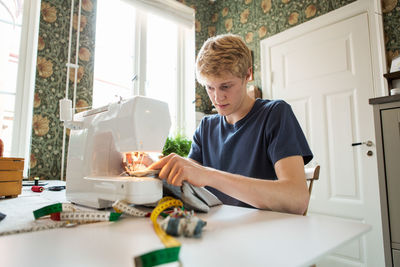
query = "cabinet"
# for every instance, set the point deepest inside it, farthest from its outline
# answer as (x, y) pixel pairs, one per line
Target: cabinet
(390, 77)
(387, 130)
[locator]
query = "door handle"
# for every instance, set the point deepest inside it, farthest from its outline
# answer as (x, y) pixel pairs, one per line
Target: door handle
(368, 143)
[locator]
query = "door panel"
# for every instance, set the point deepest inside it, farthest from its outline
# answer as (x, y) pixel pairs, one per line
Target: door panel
(340, 123)
(301, 108)
(316, 57)
(326, 76)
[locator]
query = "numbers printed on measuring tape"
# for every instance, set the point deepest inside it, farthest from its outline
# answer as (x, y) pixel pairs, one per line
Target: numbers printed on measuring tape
(123, 207)
(85, 216)
(68, 212)
(53, 208)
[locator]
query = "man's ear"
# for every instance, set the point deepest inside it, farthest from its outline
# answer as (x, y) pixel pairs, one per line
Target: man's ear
(249, 74)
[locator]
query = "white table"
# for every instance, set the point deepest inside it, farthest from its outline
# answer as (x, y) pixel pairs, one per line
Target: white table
(233, 237)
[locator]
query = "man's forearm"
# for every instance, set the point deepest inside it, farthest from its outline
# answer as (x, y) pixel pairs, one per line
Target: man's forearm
(279, 195)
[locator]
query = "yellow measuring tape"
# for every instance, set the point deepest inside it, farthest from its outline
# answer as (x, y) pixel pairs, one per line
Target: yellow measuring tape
(172, 246)
(163, 204)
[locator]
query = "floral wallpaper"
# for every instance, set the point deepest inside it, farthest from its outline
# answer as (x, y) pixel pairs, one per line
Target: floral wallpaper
(52, 56)
(254, 20)
(391, 27)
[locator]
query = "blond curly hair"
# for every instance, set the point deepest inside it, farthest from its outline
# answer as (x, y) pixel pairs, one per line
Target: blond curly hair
(221, 54)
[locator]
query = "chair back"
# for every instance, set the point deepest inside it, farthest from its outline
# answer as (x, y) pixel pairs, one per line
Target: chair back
(312, 174)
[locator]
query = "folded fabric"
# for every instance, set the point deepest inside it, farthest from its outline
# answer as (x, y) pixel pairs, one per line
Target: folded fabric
(193, 197)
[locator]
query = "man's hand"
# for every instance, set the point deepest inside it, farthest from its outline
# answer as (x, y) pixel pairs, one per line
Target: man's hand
(176, 169)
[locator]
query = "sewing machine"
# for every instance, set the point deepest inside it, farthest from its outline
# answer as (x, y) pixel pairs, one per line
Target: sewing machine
(97, 141)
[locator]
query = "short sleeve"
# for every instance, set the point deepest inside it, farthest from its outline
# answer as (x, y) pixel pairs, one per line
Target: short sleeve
(285, 137)
(195, 152)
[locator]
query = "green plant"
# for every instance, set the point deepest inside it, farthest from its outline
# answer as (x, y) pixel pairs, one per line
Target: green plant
(178, 145)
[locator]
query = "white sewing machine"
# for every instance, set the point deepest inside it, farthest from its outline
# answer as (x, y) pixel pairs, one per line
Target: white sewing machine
(97, 140)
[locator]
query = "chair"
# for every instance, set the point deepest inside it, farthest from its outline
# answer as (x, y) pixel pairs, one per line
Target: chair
(312, 174)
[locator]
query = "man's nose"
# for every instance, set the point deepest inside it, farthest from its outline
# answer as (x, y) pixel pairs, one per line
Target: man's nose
(219, 95)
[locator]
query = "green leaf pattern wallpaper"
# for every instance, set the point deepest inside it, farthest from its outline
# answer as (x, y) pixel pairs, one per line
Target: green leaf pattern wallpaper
(254, 20)
(50, 84)
(391, 27)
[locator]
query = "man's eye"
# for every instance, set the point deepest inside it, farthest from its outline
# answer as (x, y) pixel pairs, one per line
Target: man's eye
(225, 87)
(209, 88)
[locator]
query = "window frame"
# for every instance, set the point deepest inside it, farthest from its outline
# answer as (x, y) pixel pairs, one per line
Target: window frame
(22, 125)
(185, 117)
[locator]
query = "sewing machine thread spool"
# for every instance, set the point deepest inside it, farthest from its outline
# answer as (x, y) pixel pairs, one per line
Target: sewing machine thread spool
(36, 188)
(65, 109)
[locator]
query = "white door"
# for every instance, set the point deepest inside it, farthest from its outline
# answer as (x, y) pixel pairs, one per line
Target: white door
(326, 76)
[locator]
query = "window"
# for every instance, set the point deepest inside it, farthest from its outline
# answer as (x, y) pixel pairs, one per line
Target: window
(10, 26)
(114, 54)
(161, 65)
(19, 22)
(141, 51)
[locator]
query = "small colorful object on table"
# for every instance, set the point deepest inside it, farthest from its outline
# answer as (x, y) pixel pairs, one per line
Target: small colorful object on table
(37, 188)
(183, 222)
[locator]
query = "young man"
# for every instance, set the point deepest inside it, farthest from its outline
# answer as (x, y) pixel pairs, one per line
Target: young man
(252, 153)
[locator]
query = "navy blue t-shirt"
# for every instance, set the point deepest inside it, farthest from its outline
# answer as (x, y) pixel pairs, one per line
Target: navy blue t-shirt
(251, 146)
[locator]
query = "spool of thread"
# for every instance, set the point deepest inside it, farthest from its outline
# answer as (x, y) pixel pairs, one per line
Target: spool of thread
(65, 109)
(395, 91)
(37, 188)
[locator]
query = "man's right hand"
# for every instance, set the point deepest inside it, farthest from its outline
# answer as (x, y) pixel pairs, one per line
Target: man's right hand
(176, 169)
